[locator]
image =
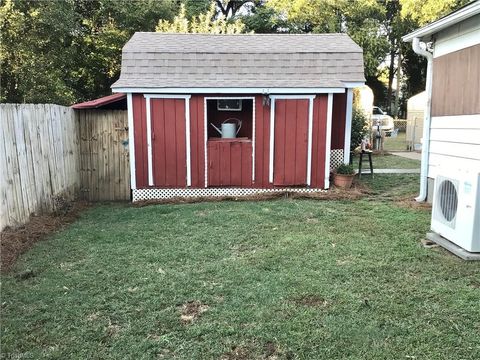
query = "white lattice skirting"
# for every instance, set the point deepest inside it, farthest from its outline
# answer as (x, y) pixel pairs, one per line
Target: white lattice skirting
(158, 194)
(336, 158)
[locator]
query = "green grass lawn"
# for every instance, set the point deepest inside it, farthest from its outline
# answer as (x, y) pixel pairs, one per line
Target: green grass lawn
(281, 279)
(387, 161)
(398, 143)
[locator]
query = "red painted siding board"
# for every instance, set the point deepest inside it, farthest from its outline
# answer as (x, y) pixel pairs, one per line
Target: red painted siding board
(181, 148)
(301, 142)
(319, 138)
(140, 136)
(338, 120)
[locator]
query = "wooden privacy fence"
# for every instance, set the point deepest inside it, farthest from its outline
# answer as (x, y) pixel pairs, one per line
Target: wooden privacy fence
(51, 152)
(38, 159)
(104, 163)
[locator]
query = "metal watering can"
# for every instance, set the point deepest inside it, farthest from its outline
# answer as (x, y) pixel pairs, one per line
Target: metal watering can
(229, 130)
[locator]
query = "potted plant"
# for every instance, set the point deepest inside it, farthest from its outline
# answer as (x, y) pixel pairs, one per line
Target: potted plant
(343, 176)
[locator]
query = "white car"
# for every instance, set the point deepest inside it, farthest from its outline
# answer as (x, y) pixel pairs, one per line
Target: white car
(383, 119)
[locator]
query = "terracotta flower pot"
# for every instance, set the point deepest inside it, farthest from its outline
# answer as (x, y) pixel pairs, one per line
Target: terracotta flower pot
(343, 181)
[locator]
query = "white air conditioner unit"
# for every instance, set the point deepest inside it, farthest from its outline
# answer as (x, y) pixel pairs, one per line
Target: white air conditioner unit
(456, 208)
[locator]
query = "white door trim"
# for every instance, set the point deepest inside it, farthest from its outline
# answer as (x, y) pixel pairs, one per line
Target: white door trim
(310, 98)
(328, 140)
(348, 127)
(149, 134)
(131, 142)
(206, 131)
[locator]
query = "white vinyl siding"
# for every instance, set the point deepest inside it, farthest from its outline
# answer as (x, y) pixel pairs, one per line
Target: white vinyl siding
(454, 143)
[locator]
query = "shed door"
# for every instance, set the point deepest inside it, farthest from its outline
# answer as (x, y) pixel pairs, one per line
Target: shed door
(168, 142)
(291, 142)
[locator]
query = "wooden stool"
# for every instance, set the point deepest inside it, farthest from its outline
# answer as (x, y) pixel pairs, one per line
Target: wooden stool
(369, 154)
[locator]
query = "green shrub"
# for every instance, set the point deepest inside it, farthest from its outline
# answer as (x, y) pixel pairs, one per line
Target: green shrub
(359, 128)
(345, 169)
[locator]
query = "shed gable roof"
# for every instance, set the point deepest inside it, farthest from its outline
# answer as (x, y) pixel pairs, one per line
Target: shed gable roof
(158, 60)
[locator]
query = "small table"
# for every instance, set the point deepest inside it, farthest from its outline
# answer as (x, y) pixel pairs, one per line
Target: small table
(369, 154)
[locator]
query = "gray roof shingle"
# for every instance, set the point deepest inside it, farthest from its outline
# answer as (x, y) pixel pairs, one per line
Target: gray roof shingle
(159, 60)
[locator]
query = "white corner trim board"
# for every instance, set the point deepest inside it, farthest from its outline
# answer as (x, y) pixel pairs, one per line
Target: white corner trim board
(348, 127)
(131, 142)
(149, 142)
(309, 144)
(235, 90)
(328, 140)
(310, 99)
(148, 97)
(272, 140)
(187, 141)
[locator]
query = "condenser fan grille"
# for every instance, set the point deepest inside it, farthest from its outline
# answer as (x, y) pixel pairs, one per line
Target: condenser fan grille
(448, 200)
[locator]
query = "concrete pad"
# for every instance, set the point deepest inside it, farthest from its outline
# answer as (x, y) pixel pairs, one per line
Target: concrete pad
(453, 248)
(412, 155)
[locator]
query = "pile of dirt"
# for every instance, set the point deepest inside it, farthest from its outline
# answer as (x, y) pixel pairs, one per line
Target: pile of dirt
(17, 240)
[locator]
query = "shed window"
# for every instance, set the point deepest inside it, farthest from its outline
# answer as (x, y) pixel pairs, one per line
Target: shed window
(229, 104)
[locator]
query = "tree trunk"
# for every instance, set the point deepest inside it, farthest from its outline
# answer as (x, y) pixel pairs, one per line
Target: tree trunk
(391, 73)
(399, 75)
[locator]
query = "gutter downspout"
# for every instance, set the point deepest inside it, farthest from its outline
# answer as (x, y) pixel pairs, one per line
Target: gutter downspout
(427, 119)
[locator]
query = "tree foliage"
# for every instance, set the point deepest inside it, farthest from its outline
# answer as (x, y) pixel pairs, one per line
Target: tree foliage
(70, 50)
(205, 23)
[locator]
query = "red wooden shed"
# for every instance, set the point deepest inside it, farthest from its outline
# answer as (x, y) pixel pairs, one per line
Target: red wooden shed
(292, 95)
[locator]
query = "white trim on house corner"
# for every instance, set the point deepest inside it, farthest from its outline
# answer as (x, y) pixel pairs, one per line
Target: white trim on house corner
(309, 144)
(328, 140)
(459, 42)
(149, 142)
(205, 139)
(310, 99)
(348, 127)
(187, 141)
(233, 90)
(353, 84)
(272, 140)
(149, 134)
(166, 96)
(131, 142)
(253, 127)
(449, 20)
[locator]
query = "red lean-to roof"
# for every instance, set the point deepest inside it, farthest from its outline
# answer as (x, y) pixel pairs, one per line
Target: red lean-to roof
(93, 104)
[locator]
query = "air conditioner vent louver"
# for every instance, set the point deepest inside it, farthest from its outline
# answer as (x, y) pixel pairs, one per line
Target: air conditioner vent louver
(448, 200)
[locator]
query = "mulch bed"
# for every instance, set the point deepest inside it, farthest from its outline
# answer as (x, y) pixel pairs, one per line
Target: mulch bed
(17, 240)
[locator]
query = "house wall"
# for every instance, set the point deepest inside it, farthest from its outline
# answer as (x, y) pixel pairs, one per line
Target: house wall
(455, 123)
(261, 141)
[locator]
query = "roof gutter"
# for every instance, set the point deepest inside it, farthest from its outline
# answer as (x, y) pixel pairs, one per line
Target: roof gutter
(422, 196)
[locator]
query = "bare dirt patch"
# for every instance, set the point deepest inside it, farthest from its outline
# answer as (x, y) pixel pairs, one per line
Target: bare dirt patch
(311, 301)
(17, 240)
(237, 353)
(191, 311)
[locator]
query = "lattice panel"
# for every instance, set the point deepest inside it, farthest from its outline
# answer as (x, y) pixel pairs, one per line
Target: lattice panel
(336, 158)
(157, 194)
